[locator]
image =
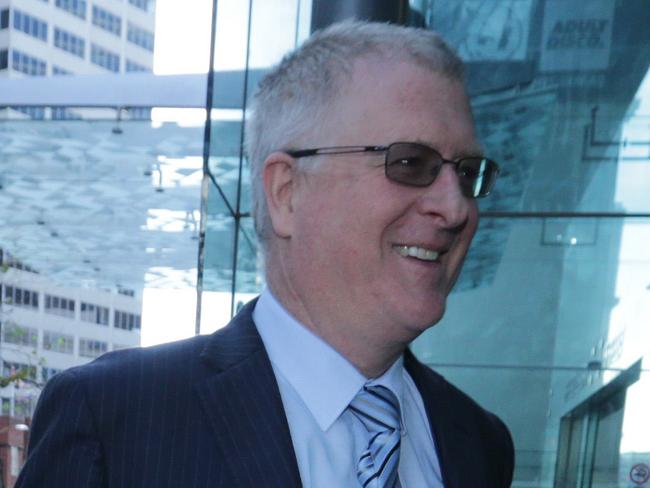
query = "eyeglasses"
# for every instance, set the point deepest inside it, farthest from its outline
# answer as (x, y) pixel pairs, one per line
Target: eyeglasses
(413, 164)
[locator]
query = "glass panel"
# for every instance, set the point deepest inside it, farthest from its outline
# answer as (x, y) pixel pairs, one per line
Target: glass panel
(216, 294)
(218, 301)
(100, 212)
(230, 59)
(549, 308)
(249, 263)
(561, 95)
(110, 206)
(219, 244)
(635, 436)
(240, 60)
(225, 154)
(549, 324)
(268, 43)
(608, 441)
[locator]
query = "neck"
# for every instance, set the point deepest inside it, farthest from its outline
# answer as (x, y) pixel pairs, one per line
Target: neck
(363, 346)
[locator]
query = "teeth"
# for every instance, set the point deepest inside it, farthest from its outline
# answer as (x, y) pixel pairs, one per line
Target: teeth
(417, 252)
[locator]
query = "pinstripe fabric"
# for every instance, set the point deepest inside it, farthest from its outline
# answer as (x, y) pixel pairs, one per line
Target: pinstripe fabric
(206, 413)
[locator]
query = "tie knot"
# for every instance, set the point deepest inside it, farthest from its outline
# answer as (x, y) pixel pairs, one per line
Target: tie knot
(377, 408)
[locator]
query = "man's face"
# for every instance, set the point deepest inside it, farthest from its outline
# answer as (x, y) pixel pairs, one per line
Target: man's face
(352, 224)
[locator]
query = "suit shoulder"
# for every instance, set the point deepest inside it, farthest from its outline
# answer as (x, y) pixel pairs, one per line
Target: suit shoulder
(469, 405)
(171, 358)
(478, 421)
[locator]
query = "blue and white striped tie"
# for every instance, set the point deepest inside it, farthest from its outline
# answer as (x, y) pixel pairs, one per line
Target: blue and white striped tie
(378, 409)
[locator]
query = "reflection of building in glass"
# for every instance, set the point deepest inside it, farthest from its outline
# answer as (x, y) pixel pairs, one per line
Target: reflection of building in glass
(46, 328)
(68, 37)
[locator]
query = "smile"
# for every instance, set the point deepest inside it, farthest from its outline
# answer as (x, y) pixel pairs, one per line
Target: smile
(416, 252)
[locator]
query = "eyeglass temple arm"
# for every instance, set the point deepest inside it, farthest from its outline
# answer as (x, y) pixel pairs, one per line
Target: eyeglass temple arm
(302, 153)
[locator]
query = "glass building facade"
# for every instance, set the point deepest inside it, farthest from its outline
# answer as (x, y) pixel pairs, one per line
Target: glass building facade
(549, 324)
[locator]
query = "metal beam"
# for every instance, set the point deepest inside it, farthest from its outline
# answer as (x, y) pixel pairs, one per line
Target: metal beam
(326, 12)
(126, 90)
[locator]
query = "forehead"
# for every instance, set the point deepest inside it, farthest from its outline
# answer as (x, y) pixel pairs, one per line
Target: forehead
(384, 102)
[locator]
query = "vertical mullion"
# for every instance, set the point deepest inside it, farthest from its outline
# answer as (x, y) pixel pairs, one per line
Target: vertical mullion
(205, 182)
(242, 132)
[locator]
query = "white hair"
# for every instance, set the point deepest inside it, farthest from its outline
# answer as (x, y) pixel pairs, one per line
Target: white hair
(292, 100)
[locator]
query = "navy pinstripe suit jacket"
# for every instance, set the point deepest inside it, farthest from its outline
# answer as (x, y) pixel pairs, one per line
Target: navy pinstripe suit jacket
(206, 412)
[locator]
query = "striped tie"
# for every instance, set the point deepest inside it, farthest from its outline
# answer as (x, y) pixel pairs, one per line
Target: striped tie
(377, 408)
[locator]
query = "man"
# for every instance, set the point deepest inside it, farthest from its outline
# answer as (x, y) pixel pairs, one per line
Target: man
(365, 170)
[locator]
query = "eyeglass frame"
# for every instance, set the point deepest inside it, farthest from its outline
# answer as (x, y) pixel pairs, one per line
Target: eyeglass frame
(334, 150)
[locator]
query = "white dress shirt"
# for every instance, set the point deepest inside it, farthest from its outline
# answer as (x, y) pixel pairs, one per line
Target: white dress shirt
(317, 384)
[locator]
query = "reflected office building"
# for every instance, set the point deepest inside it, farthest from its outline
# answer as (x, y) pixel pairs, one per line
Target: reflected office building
(549, 325)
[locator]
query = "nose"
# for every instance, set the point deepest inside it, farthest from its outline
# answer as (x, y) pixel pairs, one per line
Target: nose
(444, 199)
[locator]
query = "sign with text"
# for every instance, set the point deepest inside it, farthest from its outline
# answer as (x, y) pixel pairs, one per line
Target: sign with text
(577, 36)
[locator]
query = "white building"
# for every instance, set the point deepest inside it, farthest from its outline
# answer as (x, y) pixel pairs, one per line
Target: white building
(46, 328)
(74, 37)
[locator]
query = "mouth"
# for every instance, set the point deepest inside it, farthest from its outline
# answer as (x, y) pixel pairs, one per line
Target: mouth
(417, 252)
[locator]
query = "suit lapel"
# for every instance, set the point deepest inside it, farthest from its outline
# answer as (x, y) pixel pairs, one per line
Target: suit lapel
(243, 404)
(454, 443)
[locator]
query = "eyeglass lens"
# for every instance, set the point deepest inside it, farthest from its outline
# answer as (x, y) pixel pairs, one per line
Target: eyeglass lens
(419, 165)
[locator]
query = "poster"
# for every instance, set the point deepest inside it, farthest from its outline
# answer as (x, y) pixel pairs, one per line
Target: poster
(576, 36)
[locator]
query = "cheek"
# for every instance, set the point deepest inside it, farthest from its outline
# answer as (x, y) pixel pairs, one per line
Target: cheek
(464, 242)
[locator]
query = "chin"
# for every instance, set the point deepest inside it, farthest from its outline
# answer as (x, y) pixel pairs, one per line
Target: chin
(422, 316)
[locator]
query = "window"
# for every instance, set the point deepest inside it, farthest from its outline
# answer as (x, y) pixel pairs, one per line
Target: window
(62, 113)
(75, 7)
(140, 37)
(104, 58)
(20, 297)
(22, 336)
(36, 113)
(49, 372)
(15, 263)
(69, 42)
(57, 71)
(30, 25)
(132, 67)
(146, 5)
(56, 342)
(22, 408)
(90, 348)
(27, 64)
(4, 59)
(139, 113)
(107, 21)
(6, 406)
(59, 306)
(125, 320)
(9, 368)
(4, 18)
(94, 313)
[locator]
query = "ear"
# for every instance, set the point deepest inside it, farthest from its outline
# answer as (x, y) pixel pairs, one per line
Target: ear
(279, 187)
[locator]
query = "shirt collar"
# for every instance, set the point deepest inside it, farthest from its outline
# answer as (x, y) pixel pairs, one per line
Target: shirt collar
(325, 381)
